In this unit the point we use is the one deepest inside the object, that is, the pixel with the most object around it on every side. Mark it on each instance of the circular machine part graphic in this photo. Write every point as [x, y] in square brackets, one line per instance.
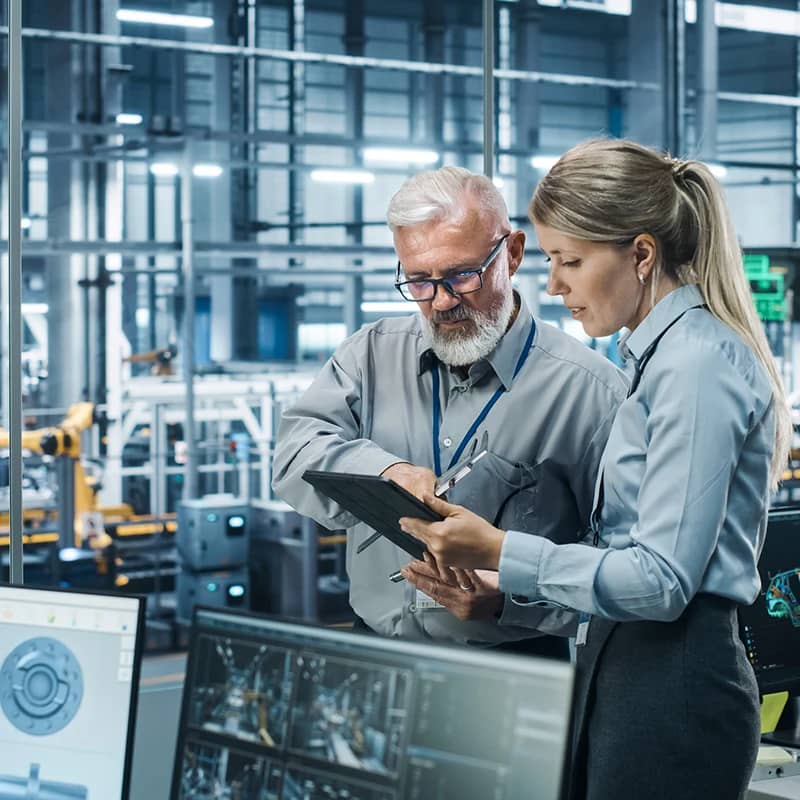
[41, 686]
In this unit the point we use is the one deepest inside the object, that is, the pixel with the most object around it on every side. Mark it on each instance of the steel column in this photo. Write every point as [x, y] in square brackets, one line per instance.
[15, 287]
[190, 486]
[488, 88]
[706, 138]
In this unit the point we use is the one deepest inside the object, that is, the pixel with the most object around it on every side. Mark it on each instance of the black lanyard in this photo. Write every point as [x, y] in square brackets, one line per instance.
[637, 377]
[437, 460]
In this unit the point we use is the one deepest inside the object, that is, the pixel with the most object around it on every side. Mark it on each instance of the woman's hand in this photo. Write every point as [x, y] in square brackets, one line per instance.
[462, 539]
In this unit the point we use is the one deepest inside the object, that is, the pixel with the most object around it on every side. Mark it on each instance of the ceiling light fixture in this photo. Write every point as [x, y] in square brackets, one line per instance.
[207, 170]
[164, 169]
[400, 155]
[360, 176]
[162, 18]
[129, 119]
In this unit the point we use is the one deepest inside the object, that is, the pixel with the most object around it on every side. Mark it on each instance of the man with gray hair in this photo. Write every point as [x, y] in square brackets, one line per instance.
[408, 397]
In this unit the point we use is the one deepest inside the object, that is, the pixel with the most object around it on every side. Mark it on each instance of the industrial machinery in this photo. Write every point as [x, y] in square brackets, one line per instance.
[55, 519]
[297, 567]
[213, 542]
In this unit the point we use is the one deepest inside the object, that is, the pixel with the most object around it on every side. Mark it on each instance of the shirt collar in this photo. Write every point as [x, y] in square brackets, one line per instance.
[634, 343]
[503, 359]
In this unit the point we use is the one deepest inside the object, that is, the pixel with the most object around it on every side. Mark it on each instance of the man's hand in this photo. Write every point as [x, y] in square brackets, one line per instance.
[417, 480]
[467, 594]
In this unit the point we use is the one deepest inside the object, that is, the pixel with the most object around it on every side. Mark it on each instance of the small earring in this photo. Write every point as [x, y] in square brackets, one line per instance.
[642, 278]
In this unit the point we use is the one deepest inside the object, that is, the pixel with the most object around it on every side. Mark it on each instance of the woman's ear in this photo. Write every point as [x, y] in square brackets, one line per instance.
[645, 252]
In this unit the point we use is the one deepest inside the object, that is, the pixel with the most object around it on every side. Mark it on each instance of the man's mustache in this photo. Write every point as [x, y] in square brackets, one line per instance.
[456, 314]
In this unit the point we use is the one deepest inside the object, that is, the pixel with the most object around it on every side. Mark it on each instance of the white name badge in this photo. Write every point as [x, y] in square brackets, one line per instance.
[423, 601]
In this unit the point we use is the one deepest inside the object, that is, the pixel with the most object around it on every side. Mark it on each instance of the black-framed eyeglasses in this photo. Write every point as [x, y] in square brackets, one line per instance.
[462, 282]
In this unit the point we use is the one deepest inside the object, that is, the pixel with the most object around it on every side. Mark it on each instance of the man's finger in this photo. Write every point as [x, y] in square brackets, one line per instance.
[421, 568]
[464, 580]
[421, 582]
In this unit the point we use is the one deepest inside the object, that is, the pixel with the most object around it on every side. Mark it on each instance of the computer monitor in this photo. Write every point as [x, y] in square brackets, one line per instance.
[69, 674]
[770, 628]
[274, 710]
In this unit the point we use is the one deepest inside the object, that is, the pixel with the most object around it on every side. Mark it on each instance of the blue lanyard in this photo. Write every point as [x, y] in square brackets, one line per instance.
[437, 459]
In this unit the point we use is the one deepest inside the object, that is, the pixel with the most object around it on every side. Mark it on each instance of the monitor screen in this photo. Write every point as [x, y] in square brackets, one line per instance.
[770, 628]
[69, 669]
[284, 711]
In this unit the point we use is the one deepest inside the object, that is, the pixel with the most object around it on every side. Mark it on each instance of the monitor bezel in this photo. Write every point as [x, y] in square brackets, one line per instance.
[138, 648]
[454, 652]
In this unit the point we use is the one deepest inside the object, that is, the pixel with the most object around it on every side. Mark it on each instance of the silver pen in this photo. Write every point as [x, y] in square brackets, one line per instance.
[456, 473]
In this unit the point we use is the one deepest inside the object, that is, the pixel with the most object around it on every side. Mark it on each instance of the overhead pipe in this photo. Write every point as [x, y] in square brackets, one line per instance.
[364, 62]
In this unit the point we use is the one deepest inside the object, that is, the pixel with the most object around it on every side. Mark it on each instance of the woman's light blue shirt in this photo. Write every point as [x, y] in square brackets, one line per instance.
[686, 481]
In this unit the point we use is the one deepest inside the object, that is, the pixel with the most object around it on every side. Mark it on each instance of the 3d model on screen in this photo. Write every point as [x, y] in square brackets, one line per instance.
[33, 788]
[783, 596]
[244, 691]
[212, 772]
[350, 713]
[41, 686]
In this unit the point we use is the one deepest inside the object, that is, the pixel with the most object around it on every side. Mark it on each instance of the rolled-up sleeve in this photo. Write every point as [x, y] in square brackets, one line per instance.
[322, 432]
[700, 410]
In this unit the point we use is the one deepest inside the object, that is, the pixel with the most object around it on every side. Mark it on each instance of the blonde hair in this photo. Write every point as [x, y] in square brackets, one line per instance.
[443, 194]
[609, 190]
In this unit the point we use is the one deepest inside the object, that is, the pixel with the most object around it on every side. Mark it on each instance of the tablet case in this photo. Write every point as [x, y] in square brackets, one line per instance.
[377, 501]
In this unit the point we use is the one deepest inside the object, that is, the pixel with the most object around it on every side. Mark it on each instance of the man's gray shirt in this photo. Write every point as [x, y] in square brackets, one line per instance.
[371, 406]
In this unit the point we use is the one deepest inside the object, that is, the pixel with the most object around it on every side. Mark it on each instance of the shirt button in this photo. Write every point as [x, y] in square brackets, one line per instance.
[447, 442]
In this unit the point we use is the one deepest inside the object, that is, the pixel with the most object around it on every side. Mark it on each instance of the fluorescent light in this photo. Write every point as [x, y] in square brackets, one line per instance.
[25, 223]
[387, 307]
[160, 18]
[142, 317]
[608, 6]
[207, 170]
[719, 171]
[544, 163]
[750, 18]
[342, 176]
[399, 155]
[129, 119]
[164, 169]
[34, 308]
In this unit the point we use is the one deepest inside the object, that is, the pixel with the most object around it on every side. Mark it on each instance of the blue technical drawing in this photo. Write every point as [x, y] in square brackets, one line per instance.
[32, 788]
[783, 596]
[41, 686]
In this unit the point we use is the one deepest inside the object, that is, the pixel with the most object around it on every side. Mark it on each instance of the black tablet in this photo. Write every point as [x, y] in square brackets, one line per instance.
[377, 501]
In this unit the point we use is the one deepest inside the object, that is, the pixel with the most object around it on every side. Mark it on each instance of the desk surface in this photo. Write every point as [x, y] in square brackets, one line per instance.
[775, 789]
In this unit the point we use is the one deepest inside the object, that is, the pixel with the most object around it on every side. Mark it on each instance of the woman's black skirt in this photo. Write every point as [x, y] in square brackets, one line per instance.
[665, 710]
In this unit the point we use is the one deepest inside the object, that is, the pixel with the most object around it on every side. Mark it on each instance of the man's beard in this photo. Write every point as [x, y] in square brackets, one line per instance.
[473, 341]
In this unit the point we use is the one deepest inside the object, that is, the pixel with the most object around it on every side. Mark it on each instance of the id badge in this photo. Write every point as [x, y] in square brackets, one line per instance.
[423, 601]
[583, 629]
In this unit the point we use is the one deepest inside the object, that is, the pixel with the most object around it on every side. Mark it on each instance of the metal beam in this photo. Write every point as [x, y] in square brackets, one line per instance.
[364, 62]
[14, 299]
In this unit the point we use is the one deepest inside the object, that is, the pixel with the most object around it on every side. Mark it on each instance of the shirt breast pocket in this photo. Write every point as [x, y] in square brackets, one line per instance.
[505, 493]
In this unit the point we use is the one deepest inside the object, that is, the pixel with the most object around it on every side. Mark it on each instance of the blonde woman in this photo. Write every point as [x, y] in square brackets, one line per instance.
[667, 705]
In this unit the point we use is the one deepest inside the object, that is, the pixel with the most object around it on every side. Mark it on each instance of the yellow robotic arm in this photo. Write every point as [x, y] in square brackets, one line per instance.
[63, 439]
